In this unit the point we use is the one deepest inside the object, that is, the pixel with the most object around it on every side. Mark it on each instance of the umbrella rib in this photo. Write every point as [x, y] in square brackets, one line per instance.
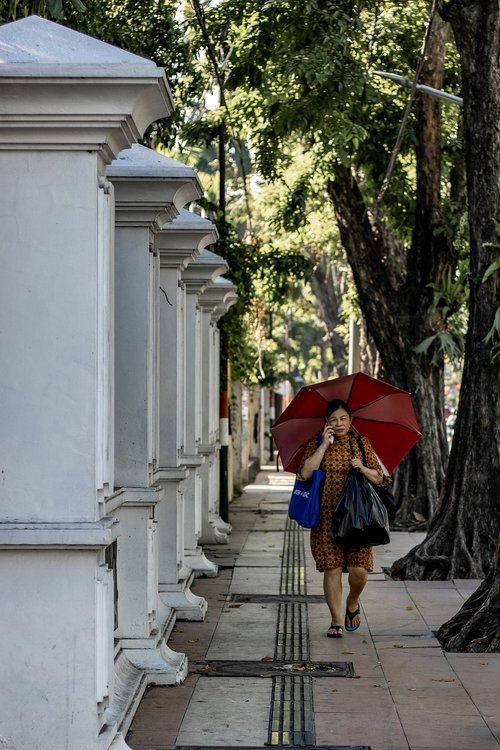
[350, 390]
[370, 403]
[388, 421]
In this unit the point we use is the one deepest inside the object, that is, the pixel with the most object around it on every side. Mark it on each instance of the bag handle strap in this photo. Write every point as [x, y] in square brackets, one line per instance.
[361, 447]
[318, 443]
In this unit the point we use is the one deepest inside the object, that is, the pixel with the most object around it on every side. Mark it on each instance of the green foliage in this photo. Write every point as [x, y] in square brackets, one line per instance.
[293, 214]
[443, 343]
[495, 265]
[10, 10]
[492, 338]
[492, 269]
[449, 307]
[264, 277]
[451, 294]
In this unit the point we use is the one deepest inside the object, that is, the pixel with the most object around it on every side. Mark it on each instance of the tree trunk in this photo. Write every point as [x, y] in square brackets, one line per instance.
[323, 284]
[394, 293]
[462, 538]
[476, 627]
[393, 324]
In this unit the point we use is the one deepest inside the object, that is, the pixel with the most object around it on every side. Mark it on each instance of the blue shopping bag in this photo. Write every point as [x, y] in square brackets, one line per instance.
[305, 500]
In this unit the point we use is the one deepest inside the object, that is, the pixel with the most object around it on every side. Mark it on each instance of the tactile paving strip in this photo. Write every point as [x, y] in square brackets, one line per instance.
[291, 718]
[292, 721]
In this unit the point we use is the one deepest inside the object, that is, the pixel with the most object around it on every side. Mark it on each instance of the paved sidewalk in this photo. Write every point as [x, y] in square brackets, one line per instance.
[267, 622]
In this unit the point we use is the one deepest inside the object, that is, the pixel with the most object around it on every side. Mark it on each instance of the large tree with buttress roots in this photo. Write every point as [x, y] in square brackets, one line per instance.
[462, 540]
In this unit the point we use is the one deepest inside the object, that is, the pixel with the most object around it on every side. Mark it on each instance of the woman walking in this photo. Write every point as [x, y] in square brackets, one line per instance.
[336, 454]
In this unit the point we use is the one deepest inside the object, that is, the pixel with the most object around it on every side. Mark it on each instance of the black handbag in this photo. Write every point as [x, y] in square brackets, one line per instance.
[385, 493]
[359, 519]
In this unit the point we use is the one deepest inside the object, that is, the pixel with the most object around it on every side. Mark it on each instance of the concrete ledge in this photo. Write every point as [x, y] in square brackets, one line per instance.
[84, 535]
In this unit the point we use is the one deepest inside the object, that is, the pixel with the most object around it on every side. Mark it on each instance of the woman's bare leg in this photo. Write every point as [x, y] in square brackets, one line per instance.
[357, 581]
[332, 586]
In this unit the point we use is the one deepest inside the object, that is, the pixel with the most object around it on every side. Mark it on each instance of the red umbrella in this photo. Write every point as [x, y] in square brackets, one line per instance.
[380, 411]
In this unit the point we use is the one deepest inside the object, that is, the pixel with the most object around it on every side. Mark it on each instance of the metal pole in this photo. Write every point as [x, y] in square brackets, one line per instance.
[224, 401]
[353, 365]
[420, 87]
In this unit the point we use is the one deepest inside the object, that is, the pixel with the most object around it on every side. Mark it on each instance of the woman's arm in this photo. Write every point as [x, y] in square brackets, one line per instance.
[314, 461]
[373, 475]
[373, 471]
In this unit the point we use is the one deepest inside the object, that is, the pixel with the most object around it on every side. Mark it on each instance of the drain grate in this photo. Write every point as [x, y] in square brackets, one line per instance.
[275, 668]
[277, 598]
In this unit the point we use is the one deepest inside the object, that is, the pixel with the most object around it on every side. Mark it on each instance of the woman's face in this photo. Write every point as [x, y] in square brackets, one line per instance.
[340, 421]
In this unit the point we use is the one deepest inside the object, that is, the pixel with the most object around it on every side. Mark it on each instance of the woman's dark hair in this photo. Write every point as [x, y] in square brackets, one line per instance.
[334, 405]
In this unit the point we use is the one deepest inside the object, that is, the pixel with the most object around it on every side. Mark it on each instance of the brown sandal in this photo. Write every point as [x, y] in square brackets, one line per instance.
[335, 631]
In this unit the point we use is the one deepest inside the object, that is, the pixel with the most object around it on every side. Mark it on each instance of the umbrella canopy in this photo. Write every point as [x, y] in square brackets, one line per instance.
[380, 411]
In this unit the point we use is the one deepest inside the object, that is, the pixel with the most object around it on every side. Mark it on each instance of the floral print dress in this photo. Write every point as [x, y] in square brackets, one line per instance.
[336, 464]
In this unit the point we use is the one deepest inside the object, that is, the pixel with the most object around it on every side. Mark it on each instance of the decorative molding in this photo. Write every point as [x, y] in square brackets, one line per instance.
[150, 188]
[63, 90]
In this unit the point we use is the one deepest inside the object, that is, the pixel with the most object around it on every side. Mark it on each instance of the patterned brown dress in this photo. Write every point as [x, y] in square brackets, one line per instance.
[337, 463]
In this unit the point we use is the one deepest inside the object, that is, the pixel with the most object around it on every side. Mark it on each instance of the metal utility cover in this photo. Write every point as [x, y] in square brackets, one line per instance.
[276, 668]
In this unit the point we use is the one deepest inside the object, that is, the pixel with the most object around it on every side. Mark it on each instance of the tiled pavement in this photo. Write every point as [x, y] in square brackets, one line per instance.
[406, 694]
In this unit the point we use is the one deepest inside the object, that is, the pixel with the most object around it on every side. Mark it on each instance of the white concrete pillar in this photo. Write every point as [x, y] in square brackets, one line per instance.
[179, 243]
[197, 277]
[149, 189]
[68, 105]
[211, 302]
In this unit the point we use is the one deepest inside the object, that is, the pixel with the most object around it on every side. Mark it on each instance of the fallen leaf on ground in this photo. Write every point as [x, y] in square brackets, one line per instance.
[267, 658]
[410, 609]
[377, 686]
[205, 669]
[347, 652]
[443, 679]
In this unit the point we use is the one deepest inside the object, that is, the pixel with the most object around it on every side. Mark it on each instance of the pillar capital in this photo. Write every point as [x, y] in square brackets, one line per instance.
[201, 273]
[63, 90]
[229, 300]
[215, 295]
[182, 240]
[150, 188]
